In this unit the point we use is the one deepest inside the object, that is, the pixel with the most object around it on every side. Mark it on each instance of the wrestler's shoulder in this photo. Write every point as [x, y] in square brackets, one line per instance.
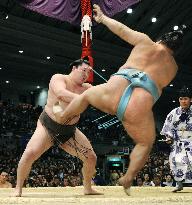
[59, 76]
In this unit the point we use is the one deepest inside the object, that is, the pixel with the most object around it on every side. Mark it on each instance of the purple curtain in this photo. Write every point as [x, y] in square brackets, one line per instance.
[69, 10]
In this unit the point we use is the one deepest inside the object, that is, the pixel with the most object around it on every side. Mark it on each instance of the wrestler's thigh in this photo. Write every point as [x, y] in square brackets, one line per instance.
[78, 146]
[142, 130]
[140, 104]
[40, 141]
[100, 96]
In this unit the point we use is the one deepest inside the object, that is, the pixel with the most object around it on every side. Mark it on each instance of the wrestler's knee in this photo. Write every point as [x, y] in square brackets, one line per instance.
[29, 155]
[91, 158]
[148, 143]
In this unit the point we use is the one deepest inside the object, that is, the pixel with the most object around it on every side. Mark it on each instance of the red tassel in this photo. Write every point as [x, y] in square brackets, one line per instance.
[86, 41]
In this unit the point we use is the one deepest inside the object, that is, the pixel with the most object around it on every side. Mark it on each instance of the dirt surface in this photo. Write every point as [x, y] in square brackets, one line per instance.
[113, 195]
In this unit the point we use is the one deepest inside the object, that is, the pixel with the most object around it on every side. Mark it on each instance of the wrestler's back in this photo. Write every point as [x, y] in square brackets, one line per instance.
[152, 58]
[155, 60]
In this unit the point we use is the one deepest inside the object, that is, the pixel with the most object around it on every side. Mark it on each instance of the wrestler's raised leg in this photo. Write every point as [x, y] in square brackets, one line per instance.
[37, 145]
[81, 147]
[98, 96]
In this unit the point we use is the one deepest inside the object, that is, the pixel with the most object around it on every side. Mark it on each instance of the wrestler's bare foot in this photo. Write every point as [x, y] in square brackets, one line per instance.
[123, 181]
[91, 192]
[17, 193]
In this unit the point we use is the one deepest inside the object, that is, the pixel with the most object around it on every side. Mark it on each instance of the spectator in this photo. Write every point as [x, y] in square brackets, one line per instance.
[178, 132]
[169, 181]
[4, 180]
[147, 181]
[139, 181]
[156, 180]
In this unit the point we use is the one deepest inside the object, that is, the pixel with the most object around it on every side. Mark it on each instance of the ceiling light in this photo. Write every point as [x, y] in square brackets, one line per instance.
[48, 57]
[171, 85]
[20, 51]
[173, 101]
[3, 14]
[38, 87]
[0, 68]
[129, 11]
[7, 81]
[176, 28]
[103, 70]
[153, 19]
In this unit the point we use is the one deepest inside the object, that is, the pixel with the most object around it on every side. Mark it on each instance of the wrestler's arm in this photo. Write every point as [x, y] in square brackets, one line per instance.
[78, 105]
[58, 86]
[124, 32]
[95, 96]
[75, 107]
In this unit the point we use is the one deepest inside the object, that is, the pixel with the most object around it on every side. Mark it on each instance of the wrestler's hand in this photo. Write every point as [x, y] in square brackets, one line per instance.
[58, 112]
[61, 119]
[98, 14]
[58, 117]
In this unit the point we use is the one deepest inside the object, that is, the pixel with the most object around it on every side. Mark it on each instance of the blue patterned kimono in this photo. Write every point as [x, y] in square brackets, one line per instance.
[178, 126]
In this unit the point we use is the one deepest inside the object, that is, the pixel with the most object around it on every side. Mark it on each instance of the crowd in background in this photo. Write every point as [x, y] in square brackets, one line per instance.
[56, 167]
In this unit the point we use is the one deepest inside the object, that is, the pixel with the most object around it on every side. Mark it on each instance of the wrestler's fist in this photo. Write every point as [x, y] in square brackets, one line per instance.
[98, 14]
[57, 110]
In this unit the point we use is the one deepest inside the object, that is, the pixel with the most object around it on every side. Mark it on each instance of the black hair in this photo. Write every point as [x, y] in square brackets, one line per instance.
[174, 39]
[185, 92]
[78, 62]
